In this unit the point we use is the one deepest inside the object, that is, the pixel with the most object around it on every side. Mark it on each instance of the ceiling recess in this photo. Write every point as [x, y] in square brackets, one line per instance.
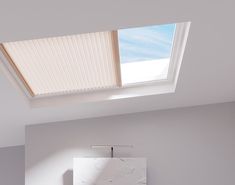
[90, 62]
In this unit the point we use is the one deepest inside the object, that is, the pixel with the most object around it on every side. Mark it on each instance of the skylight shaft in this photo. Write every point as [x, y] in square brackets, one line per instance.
[100, 62]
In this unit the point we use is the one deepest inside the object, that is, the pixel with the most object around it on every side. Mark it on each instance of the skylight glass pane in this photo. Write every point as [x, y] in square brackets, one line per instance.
[145, 52]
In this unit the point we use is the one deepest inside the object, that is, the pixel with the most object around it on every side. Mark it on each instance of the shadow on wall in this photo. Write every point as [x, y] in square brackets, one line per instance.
[68, 177]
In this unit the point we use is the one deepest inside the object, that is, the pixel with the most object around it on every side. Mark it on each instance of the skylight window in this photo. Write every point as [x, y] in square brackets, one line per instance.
[110, 60]
[145, 52]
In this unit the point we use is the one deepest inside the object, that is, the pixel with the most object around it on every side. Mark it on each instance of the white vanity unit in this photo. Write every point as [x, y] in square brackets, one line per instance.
[109, 171]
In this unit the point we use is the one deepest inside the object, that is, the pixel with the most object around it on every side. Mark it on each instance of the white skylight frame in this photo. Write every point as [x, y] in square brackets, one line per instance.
[139, 89]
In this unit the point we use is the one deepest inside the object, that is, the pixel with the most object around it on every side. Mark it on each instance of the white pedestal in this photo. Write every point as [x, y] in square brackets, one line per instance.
[109, 171]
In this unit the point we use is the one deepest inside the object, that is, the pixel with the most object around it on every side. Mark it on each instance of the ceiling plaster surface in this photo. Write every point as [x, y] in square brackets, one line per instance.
[207, 71]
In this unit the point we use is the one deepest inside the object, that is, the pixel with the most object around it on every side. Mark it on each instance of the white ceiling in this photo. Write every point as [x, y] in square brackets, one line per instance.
[207, 72]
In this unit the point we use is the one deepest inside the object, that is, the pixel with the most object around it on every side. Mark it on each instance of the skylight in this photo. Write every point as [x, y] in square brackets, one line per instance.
[145, 53]
[110, 60]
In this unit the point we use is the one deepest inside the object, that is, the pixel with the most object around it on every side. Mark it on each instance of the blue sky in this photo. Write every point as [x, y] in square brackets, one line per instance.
[145, 43]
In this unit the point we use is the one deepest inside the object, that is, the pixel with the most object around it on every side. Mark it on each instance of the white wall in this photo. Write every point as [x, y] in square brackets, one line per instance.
[12, 165]
[189, 146]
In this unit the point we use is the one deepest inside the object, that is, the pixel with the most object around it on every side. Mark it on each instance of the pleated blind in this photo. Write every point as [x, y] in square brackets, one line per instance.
[83, 62]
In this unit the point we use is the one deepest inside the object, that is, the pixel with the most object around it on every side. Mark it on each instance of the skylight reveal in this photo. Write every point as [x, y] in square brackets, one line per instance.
[93, 61]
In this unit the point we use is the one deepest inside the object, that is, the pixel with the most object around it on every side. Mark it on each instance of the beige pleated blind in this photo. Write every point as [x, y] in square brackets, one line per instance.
[66, 64]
